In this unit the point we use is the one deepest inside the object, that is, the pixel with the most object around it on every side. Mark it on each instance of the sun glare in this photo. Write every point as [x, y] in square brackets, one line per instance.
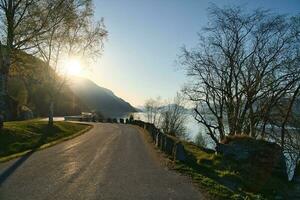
[73, 67]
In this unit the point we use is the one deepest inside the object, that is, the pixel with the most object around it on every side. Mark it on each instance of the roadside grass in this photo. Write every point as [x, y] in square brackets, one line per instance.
[20, 136]
[226, 179]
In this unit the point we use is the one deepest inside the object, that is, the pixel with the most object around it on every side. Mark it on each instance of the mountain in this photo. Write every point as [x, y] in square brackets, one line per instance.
[29, 87]
[140, 108]
[173, 106]
[99, 99]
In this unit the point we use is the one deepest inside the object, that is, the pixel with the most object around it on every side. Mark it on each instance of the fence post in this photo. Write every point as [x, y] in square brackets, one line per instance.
[180, 152]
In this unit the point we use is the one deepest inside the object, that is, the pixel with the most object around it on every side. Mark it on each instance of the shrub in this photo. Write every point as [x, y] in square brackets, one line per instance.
[241, 137]
[200, 140]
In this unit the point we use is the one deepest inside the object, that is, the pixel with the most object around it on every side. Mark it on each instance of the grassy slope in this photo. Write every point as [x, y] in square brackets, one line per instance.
[224, 179]
[29, 135]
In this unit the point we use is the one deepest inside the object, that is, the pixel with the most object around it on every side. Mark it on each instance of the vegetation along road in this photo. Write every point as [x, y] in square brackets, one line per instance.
[110, 161]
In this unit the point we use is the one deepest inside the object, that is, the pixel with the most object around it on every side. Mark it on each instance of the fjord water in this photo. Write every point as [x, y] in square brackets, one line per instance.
[193, 128]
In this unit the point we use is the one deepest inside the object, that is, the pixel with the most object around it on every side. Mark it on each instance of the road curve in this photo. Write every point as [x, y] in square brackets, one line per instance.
[111, 161]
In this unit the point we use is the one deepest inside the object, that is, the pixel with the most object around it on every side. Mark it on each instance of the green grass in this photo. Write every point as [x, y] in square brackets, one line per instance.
[225, 179]
[21, 136]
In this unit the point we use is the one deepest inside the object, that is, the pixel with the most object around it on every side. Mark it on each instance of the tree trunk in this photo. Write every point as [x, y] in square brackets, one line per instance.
[4, 68]
[5, 61]
[51, 111]
[252, 123]
[3, 91]
[2, 99]
[287, 115]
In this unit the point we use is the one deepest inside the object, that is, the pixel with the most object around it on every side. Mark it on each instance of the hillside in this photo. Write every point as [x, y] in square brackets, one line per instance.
[99, 99]
[30, 87]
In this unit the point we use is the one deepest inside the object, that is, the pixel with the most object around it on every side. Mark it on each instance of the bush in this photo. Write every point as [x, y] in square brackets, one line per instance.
[242, 137]
[200, 141]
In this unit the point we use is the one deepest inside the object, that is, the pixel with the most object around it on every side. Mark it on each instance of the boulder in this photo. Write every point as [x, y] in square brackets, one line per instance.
[162, 142]
[158, 139]
[154, 135]
[169, 145]
[180, 153]
[259, 160]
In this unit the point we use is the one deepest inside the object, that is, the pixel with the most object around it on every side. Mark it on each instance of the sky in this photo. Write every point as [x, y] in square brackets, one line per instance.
[144, 41]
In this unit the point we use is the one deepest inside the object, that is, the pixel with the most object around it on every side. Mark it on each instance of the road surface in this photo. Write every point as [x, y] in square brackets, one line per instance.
[111, 161]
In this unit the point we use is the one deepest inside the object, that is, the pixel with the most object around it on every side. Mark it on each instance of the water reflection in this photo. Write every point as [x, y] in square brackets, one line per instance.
[193, 128]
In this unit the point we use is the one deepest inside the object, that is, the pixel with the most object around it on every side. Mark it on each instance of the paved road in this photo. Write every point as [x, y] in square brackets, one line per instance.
[110, 161]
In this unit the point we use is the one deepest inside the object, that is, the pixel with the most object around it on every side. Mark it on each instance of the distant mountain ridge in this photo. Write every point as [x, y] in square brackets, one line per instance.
[30, 89]
[99, 99]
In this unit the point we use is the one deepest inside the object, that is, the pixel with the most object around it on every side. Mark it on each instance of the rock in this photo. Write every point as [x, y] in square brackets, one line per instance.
[158, 139]
[180, 152]
[162, 142]
[154, 135]
[150, 127]
[169, 145]
[259, 160]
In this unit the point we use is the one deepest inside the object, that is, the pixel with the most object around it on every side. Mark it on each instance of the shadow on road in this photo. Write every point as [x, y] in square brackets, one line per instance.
[12, 168]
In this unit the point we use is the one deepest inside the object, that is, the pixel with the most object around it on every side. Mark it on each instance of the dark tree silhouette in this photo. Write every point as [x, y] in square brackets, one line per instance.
[245, 66]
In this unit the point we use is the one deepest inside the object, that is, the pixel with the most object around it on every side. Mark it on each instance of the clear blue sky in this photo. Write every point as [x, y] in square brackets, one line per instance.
[145, 37]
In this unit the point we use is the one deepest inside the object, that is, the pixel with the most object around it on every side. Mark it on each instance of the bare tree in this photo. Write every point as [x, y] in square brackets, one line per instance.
[72, 33]
[20, 22]
[243, 67]
[292, 149]
[200, 140]
[152, 108]
[174, 116]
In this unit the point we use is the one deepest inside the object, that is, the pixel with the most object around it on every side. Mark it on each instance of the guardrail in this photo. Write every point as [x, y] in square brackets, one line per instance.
[172, 146]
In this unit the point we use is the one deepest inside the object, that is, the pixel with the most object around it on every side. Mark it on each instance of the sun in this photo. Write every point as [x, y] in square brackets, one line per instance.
[73, 67]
